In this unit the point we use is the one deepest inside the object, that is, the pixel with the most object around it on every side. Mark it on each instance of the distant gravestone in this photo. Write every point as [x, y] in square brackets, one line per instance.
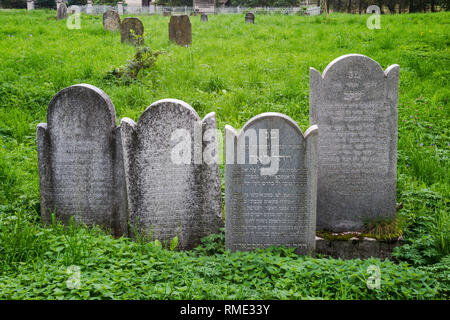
[173, 187]
[30, 5]
[270, 185]
[80, 164]
[132, 31]
[180, 30]
[120, 7]
[354, 103]
[204, 18]
[62, 11]
[249, 17]
[111, 20]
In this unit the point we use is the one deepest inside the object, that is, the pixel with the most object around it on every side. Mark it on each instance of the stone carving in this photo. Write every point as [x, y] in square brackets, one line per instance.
[173, 188]
[111, 20]
[249, 17]
[180, 30]
[354, 103]
[270, 184]
[80, 164]
[132, 31]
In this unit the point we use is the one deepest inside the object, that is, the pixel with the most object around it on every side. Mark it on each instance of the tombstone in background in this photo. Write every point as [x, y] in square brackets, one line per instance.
[30, 5]
[270, 185]
[120, 7]
[180, 30]
[204, 18]
[132, 31]
[249, 17]
[58, 3]
[354, 103]
[111, 20]
[62, 11]
[173, 187]
[89, 7]
[80, 160]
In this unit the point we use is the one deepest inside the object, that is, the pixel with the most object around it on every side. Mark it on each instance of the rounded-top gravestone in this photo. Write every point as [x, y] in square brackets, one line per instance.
[62, 11]
[180, 30]
[204, 18]
[111, 20]
[249, 17]
[131, 31]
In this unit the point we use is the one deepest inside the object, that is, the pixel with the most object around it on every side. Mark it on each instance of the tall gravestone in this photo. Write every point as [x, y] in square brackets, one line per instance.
[132, 31]
[111, 20]
[80, 162]
[249, 17]
[180, 30]
[270, 185]
[354, 103]
[62, 11]
[173, 187]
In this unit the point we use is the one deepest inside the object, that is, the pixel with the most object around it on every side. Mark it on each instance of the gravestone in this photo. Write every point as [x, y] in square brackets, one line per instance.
[62, 11]
[120, 7]
[354, 103]
[204, 18]
[80, 162]
[249, 17]
[129, 36]
[111, 20]
[30, 5]
[167, 196]
[270, 185]
[180, 30]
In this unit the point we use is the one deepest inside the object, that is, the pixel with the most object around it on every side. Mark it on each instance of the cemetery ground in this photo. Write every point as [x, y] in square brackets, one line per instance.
[236, 70]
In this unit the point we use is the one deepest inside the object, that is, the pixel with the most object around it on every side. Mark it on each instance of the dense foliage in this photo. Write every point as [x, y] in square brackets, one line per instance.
[238, 71]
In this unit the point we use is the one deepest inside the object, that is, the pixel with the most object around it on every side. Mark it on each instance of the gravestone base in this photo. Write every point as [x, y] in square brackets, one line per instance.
[357, 248]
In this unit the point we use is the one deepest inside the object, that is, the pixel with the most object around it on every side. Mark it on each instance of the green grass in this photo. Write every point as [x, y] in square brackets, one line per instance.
[238, 71]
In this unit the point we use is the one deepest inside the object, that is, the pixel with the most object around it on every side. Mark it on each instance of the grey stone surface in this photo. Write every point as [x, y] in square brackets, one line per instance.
[204, 18]
[357, 249]
[111, 21]
[62, 11]
[132, 31]
[354, 103]
[180, 30]
[270, 188]
[249, 17]
[167, 198]
[80, 164]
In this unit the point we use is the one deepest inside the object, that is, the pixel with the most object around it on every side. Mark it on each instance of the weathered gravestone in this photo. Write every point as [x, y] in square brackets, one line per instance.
[172, 173]
[80, 161]
[132, 31]
[249, 17]
[204, 18]
[354, 103]
[270, 185]
[180, 30]
[111, 20]
[62, 11]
